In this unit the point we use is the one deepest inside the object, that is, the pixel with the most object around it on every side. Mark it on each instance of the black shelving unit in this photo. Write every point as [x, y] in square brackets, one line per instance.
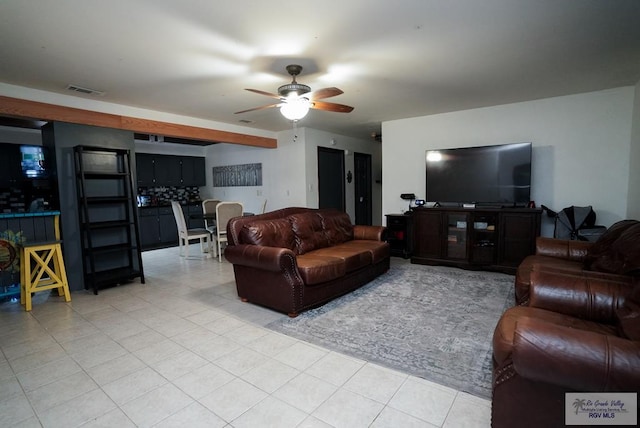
[111, 252]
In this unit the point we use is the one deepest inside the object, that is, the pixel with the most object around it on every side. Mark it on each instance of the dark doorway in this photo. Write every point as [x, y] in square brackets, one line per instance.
[331, 178]
[362, 167]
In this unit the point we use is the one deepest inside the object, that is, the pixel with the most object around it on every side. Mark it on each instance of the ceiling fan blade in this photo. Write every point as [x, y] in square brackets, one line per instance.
[323, 93]
[269, 94]
[259, 108]
[338, 108]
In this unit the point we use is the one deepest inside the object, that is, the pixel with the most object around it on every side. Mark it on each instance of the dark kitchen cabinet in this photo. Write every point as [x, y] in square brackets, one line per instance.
[168, 227]
[158, 227]
[145, 172]
[149, 228]
[168, 170]
[11, 170]
[193, 171]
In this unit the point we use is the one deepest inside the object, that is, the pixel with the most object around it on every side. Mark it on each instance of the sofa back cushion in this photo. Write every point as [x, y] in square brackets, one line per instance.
[308, 230]
[301, 232]
[619, 251]
[337, 226]
[269, 233]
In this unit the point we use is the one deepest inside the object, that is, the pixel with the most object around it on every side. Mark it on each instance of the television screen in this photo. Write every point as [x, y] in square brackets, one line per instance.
[489, 175]
[33, 160]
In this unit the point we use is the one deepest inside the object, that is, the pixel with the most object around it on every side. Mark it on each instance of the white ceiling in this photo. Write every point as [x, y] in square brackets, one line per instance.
[392, 59]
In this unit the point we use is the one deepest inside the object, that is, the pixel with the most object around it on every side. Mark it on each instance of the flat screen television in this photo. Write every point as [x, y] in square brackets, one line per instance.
[497, 175]
[34, 161]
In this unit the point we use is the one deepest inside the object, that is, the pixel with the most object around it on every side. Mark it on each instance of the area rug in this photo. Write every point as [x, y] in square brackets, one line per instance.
[433, 322]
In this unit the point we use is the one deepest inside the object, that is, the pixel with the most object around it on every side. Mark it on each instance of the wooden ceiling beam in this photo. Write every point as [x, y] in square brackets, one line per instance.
[15, 107]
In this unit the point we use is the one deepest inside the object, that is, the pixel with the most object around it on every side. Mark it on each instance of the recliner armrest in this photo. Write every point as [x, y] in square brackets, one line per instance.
[575, 359]
[577, 295]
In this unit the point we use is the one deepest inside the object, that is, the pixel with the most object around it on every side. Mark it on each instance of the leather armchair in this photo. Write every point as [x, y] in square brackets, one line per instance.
[578, 334]
[615, 256]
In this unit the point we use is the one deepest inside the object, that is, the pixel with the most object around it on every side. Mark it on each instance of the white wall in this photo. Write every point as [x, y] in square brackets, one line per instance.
[581, 149]
[633, 197]
[314, 138]
[290, 172]
[10, 134]
[282, 175]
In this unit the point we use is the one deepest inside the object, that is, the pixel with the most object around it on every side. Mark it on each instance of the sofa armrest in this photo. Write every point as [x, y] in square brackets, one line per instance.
[576, 359]
[580, 296]
[261, 257]
[562, 248]
[371, 233]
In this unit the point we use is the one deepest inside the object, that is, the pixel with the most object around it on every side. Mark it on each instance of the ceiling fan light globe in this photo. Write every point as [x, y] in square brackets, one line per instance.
[295, 109]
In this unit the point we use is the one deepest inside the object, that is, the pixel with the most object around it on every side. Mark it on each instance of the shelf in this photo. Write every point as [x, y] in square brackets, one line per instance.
[110, 248]
[110, 235]
[104, 175]
[107, 224]
[113, 276]
[106, 199]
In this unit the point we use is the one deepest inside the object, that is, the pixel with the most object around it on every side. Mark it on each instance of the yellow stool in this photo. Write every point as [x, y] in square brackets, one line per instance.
[42, 268]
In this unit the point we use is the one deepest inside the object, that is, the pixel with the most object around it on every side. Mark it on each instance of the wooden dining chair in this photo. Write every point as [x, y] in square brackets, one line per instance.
[209, 207]
[225, 211]
[185, 235]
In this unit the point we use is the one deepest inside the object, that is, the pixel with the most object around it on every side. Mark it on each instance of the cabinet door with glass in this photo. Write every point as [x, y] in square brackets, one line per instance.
[457, 231]
[484, 238]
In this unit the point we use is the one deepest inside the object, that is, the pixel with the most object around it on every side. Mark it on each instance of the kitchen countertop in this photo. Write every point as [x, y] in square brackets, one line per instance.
[29, 214]
[163, 205]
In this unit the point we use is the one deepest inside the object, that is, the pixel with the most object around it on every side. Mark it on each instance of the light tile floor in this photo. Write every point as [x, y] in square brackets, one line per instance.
[183, 351]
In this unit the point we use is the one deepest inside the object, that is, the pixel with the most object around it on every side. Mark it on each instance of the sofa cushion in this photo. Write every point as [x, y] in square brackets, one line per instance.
[354, 258]
[308, 231]
[603, 244]
[337, 226]
[316, 269]
[379, 250]
[623, 254]
[269, 233]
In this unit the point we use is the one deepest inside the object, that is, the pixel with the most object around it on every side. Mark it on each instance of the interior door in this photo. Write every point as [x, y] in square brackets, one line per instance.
[331, 178]
[362, 172]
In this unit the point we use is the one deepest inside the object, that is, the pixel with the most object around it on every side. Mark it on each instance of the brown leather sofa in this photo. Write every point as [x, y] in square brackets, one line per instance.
[615, 256]
[577, 334]
[294, 259]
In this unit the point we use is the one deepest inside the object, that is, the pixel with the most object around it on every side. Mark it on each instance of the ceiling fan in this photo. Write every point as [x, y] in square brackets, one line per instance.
[295, 99]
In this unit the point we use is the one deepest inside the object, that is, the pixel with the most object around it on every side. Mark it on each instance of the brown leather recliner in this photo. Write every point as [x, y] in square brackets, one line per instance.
[615, 256]
[578, 334]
